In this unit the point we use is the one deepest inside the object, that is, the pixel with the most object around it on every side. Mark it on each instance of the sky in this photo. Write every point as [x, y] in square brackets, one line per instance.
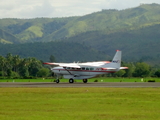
[62, 8]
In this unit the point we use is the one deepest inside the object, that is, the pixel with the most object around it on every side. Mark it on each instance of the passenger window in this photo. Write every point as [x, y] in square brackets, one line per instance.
[91, 68]
[83, 68]
[87, 68]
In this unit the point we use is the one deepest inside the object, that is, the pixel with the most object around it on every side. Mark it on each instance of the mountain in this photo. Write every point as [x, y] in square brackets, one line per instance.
[62, 51]
[137, 44]
[106, 21]
[7, 38]
[135, 31]
[110, 21]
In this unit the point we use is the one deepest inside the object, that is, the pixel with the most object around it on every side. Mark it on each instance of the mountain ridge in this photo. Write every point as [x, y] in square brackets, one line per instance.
[135, 31]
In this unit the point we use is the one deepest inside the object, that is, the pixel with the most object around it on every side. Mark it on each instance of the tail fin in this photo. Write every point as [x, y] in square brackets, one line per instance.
[116, 62]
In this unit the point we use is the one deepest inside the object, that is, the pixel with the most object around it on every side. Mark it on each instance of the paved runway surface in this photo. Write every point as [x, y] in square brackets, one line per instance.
[98, 84]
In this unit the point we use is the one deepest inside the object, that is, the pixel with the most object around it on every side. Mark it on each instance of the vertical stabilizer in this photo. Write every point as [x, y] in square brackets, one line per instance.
[117, 59]
[116, 62]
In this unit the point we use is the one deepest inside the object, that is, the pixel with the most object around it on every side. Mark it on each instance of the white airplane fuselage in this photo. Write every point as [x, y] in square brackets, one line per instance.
[87, 70]
[81, 73]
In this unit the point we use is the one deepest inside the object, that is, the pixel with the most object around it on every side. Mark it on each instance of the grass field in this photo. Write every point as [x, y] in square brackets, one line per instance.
[99, 79]
[79, 103]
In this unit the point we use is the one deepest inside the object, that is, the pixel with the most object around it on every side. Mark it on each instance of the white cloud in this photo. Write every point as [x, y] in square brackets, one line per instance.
[45, 9]
[61, 8]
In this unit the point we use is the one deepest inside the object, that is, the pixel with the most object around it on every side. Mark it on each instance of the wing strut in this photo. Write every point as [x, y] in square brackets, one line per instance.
[68, 71]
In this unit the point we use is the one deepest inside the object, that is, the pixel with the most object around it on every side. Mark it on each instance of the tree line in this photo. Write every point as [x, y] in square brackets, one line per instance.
[13, 66]
[138, 69]
[16, 67]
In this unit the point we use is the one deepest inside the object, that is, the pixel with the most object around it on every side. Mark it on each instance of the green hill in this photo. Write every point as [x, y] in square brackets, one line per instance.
[135, 44]
[106, 21]
[33, 30]
[135, 31]
[62, 51]
[110, 21]
[7, 38]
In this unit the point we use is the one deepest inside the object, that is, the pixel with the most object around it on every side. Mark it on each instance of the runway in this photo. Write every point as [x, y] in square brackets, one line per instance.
[93, 84]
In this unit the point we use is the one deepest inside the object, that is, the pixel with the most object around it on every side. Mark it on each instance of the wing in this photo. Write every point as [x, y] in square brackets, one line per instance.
[109, 68]
[116, 68]
[47, 63]
[93, 64]
[73, 65]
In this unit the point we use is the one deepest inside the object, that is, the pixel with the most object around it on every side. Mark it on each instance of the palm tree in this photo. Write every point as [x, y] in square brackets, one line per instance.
[2, 65]
[16, 62]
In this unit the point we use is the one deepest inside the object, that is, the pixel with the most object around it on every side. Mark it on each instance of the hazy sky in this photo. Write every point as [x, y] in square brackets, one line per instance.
[62, 8]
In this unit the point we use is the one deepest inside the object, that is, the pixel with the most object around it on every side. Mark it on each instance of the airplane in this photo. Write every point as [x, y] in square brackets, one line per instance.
[83, 71]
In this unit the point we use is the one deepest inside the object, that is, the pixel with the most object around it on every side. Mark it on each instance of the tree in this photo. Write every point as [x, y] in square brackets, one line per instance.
[2, 65]
[142, 70]
[120, 73]
[34, 66]
[130, 70]
[52, 58]
[16, 61]
[44, 72]
[22, 67]
[24, 72]
[157, 73]
[9, 73]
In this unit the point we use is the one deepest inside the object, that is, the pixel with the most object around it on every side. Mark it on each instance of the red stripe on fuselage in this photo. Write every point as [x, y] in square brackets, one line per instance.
[86, 70]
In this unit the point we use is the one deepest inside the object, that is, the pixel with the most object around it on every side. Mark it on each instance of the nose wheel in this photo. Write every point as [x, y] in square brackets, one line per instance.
[71, 80]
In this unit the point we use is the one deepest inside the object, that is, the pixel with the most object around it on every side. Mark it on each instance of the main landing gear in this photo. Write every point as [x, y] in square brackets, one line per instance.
[57, 81]
[71, 80]
[85, 80]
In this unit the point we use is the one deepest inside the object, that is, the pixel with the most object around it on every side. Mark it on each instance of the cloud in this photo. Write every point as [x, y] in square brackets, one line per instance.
[124, 4]
[26, 9]
[61, 8]
[45, 9]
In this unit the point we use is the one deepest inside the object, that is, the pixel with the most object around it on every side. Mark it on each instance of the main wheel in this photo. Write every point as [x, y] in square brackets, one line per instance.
[85, 80]
[71, 80]
[57, 81]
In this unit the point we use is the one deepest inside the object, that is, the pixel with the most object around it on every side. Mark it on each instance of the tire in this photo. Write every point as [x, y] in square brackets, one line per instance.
[85, 80]
[57, 81]
[71, 80]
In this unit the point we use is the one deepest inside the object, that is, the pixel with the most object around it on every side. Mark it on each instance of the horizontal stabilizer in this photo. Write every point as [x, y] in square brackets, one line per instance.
[123, 68]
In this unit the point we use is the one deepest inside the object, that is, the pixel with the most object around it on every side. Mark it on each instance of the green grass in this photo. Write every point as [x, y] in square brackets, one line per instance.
[100, 79]
[79, 103]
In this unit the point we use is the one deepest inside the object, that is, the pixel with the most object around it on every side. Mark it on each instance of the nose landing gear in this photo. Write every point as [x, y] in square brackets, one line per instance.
[71, 80]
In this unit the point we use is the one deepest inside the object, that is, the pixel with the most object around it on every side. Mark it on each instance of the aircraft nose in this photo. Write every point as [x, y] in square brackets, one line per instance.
[52, 69]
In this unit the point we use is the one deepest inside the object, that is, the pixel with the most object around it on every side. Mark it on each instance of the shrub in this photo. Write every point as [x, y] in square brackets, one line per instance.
[151, 81]
[96, 81]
